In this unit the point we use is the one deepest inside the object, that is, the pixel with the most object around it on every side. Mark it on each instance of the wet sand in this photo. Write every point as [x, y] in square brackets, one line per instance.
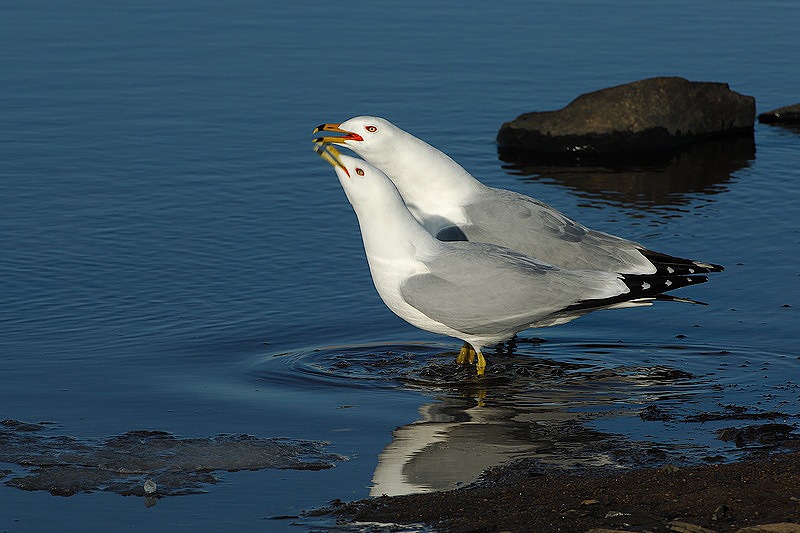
[522, 496]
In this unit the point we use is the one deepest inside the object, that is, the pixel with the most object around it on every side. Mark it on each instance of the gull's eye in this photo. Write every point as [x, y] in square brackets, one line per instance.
[359, 172]
[371, 129]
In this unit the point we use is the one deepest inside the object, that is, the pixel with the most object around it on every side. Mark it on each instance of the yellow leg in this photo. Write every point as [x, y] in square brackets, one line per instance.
[481, 366]
[469, 354]
[461, 358]
[480, 396]
[466, 354]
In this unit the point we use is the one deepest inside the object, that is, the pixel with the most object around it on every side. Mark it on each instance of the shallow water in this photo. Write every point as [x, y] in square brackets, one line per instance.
[176, 259]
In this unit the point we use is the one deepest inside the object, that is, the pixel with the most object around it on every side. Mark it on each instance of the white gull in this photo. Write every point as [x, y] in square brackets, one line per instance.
[480, 293]
[453, 205]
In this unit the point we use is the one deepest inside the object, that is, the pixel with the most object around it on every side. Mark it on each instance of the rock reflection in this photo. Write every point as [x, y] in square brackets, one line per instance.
[660, 183]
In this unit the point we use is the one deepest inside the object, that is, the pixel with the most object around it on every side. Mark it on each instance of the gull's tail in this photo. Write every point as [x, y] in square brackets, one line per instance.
[642, 288]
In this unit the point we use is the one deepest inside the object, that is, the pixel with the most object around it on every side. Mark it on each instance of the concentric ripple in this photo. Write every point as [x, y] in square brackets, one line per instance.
[568, 403]
[533, 371]
[367, 366]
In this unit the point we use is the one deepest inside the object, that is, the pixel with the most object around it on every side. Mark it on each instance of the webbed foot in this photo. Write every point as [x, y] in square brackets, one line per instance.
[468, 354]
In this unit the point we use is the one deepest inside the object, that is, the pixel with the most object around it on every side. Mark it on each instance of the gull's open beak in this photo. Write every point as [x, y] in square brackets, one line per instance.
[330, 154]
[348, 135]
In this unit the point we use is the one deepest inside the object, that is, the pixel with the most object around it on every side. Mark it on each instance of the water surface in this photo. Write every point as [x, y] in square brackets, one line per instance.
[176, 259]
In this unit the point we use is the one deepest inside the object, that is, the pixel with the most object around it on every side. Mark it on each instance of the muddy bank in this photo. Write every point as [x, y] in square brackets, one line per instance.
[524, 497]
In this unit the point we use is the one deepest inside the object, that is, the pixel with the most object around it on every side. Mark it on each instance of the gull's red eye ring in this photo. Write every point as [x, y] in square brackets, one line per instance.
[371, 129]
[359, 172]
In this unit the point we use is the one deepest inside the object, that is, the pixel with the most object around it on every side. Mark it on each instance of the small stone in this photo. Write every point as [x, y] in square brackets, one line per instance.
[587, 503]
[686, 527]
[780, 527]
[616, 514]
[150, 486]
[653, 413]
[720, 513]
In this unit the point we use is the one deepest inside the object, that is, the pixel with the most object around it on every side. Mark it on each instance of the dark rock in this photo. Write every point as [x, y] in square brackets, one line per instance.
[653, 412]
[720, 513]
[677, 526]
[644, 116]
[758, 434]
[789, 115]
[734, 412]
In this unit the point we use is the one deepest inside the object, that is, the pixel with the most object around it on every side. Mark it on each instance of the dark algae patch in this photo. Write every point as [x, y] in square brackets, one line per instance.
[143, 462]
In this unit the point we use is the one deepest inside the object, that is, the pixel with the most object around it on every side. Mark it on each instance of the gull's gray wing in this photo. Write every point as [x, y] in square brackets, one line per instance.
[519, 222]
[487, 290]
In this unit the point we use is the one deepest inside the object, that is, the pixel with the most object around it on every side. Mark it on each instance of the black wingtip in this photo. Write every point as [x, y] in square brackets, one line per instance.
[668, 265]
[643, 286]
[650, 286]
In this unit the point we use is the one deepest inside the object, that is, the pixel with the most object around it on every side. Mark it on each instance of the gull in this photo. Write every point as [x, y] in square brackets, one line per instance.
[481, 293]
[453, 205]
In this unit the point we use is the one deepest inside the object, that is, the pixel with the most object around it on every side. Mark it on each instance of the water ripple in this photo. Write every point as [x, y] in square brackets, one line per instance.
[570, 374]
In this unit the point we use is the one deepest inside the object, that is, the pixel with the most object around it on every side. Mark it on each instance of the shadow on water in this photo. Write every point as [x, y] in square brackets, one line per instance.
[660, 183]
[611, 405]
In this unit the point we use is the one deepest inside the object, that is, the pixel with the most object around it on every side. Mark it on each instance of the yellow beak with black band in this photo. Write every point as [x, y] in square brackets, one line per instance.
[329, 154]
[348, 135]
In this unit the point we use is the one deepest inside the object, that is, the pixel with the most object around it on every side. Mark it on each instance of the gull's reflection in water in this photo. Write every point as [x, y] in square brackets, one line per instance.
[545, 417]
[661, 183]
[449, 445]
[455, 440]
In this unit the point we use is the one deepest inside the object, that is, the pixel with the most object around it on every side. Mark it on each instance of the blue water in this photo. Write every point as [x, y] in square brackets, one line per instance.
[173, 256]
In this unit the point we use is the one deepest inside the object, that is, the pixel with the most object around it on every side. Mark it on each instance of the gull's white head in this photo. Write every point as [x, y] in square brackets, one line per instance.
[362, 183]
[366, 136]
[433, 186]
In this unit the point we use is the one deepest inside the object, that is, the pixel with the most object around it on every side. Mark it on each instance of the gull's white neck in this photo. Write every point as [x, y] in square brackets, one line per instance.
[397, 246]
[431, 183]
[392, 236]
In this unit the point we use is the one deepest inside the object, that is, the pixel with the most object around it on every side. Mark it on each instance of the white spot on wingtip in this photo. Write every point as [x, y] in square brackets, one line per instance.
[668, 283]
[691, 271]
[670, 270]
[645, 286]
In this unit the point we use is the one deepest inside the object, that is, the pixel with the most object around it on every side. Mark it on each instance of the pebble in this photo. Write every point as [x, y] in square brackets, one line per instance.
[686, 527]
[782, 527]
[150, 486]
[720, 513]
